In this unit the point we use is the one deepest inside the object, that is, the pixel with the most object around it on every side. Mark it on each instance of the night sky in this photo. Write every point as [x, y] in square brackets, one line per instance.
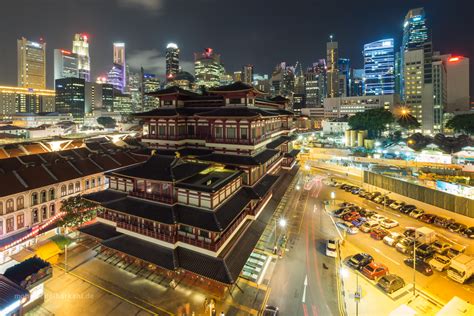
[257, 32]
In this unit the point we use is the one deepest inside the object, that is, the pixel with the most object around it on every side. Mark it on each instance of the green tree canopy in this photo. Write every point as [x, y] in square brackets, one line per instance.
[77, 211]
[462, 123]
[106, 121]
[375, 121]
[408, 121]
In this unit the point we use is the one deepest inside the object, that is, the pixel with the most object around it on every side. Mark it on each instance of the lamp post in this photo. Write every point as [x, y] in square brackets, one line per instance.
[282, 224]
[333, 197]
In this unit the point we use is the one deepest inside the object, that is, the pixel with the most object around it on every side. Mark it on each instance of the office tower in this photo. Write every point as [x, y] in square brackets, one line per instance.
[119, 59]
[261, 82]
[457, 78]
[208, 68]
[31, 64]
[80, 46]
[416, 36]
[150, 83]
[439, 92]
[172, 61]
[332, 72]
[134, 89]
[70, 98]
[299, 80]
[357, 83]
[379, 64]
[315, 84]
[184, 80]
[25, 100]
[122, 102]
[344, 77]
[247, 74]
[65, 64]
[226, 79]
[99, 96]
[238, 76]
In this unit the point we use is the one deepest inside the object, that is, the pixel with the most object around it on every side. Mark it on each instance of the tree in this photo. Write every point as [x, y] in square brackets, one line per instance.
[375, 121]
[451, 144]
[462, 123]
[77, 211]
[106, 121]
[408, 122]
[418, 141]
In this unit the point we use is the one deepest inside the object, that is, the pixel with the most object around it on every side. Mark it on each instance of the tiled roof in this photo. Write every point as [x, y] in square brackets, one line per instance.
[265, 184]
[105, 196]
[260, 158]
[100, 231]
[144, 209]
[277, 142]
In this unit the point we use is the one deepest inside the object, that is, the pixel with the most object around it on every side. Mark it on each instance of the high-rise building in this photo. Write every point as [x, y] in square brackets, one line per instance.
[439, 92]
[65, 64]
[119, 59]
[70, 97]
[25, 100]
[172, 61]
[115, 77]
[237, 76]
[332, 71]
[299, 80]
[150, 84]
[261, 82]
[31, 64]
[80, 46]
[122, 102]
[457, 78]
[344, 68]
[379, 64]
[208, 68]
[416, 36]
[247, 72]
[99, 96]
[358, 83]
[315, 84]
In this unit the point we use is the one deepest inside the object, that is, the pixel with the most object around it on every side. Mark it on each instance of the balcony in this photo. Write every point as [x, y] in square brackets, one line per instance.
[146, 232]
[153, 197]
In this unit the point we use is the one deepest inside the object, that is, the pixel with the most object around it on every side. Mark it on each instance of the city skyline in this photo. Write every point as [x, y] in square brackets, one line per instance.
[150, 53]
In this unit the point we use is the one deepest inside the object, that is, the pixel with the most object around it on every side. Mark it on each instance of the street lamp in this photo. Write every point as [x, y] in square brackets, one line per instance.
[333, 196]
[282, 224]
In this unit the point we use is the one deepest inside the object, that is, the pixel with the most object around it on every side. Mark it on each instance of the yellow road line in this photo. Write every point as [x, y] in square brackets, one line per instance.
[253, 284]
[304, 212]
[119, 296]
[265, 299]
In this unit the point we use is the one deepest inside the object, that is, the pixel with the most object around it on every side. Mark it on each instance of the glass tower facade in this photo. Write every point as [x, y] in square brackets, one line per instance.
[172, 61]
[379, 65]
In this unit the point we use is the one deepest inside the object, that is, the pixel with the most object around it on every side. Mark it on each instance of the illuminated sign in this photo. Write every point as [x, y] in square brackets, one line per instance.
[34, 44]
[172, 45]
[454, 59]
[65, 52]
[119, 44]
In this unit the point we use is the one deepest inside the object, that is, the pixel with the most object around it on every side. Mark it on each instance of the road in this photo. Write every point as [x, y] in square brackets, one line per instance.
[438, 284]
[304, 280]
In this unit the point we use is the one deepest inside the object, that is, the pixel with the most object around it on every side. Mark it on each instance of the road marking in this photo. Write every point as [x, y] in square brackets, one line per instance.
[380, 252]
[305, 310]
[315, 312]
[304, 289]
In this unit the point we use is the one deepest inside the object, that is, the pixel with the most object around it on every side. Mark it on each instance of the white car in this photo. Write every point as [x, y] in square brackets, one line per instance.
[439, 262]
[377, 217]
[348, 227]
[331, 248]
[392, 239]
[389, 223]
[368, 226]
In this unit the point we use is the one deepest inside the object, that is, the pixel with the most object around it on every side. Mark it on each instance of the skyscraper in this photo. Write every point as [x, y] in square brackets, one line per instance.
[65, 64]
[439, 91]
[80, 46]
[172, 61]
[379, 64]
[70, 97]
[119, 59]
[344, 77]
[208, 68]
[332, 71]
[31, 64]
[358, 83]
[315, 87]
[417, 69]
[237, 76]
[457, 77]
[247, 74]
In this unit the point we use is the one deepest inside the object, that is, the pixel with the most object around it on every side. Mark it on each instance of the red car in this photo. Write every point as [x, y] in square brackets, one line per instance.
[374, 270]
[379, 233]
[351, 216]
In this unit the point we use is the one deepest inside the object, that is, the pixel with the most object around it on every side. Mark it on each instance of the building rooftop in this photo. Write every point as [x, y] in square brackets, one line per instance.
[209, 180]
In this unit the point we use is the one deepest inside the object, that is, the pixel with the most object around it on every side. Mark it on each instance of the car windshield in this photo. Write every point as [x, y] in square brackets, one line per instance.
[384, 281]
[370, 268]
[442, 260]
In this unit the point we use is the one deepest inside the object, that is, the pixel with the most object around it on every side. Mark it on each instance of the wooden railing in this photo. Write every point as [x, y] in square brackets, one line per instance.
[152, 196]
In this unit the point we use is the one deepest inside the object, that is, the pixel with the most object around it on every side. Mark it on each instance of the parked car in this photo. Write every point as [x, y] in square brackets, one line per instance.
[406, 245]
[407, 208]
[349, 188]
[374, 270]
[387, 202]
[424, 251]
[368, 226]
[392, 239]
[348, 227]
[360, 260]
[441, 247]
[420, 266]
[389, 223]
[331, 248]
[439, 262]
[442, 221]
[355, 190]
[390, 283]
[396, 205]
[469, 233]
[373, 195]
[455, 250]
[343, 212]
[363, 193]
[270, 311]
[378, 199]
[344, 186]
[456, 227]
[366, 213]
[358, 222]
[351, 216]
[427, 218]
[377, 217]
[409, 232]
[379, 233]
[346, 204]
[416, 213]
